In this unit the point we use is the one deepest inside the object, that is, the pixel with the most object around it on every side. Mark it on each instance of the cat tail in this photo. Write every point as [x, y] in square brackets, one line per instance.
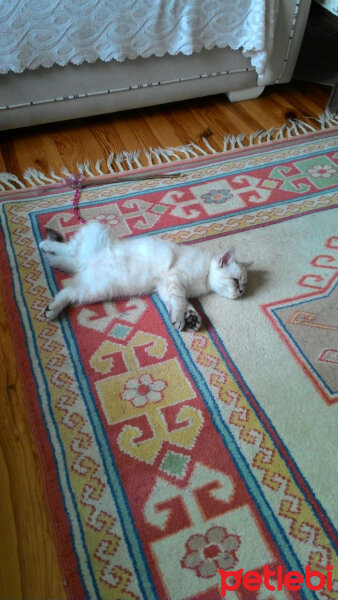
[63, 263]
[54, 235]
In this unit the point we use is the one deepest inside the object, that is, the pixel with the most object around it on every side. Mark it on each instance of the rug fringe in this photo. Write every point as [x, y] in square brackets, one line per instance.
[127, 161]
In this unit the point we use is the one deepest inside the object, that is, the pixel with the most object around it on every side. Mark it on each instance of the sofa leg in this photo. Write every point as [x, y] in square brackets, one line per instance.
[245, 94]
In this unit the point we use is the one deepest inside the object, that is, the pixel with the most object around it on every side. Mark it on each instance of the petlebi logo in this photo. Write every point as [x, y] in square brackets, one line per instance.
[275, 579]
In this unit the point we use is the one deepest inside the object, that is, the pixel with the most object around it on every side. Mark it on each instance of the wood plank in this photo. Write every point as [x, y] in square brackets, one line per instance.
[29, 565]
[66, 144]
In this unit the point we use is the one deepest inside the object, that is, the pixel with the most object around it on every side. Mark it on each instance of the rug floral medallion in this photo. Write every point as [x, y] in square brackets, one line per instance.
[168, 456]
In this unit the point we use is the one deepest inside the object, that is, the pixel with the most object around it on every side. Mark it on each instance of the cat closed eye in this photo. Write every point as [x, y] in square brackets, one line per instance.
[236, 282]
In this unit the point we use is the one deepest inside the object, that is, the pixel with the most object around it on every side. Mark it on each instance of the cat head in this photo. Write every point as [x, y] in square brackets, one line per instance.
[227, 276]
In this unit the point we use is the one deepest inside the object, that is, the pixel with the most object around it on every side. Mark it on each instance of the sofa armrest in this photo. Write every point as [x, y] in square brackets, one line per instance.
[290, 27]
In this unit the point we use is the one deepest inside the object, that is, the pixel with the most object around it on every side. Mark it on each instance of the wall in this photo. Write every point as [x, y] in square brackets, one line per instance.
[331, 5]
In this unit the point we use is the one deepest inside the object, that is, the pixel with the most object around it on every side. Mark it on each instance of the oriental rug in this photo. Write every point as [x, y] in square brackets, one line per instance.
[168, 456]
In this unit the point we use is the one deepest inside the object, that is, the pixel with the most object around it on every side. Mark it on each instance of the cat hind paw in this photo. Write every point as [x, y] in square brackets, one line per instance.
[50, 314]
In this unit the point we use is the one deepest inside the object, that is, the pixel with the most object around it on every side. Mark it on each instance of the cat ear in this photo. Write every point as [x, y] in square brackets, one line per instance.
[248, 264]
[226, 258]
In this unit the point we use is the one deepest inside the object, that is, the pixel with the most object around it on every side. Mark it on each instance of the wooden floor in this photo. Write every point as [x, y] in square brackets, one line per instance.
[65, 145]
[29, 567]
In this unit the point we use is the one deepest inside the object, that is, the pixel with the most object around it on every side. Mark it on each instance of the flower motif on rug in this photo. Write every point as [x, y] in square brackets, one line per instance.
[142, 390]
[205, 554]
[325, 171]
[107, 219]
[217, 196]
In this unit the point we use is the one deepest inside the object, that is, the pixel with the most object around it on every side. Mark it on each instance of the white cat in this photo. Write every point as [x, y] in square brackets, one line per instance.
[105, 268]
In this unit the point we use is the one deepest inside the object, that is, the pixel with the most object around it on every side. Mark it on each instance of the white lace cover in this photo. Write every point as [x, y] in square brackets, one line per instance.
[36, 33]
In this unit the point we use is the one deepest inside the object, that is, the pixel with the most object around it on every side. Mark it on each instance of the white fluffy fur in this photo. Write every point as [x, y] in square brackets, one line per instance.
[105, 268]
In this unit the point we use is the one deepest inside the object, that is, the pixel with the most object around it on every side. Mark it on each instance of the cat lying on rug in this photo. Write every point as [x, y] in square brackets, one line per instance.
[105, 268]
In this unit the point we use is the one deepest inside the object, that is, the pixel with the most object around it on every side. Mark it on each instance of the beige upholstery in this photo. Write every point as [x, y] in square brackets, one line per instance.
[69, 92]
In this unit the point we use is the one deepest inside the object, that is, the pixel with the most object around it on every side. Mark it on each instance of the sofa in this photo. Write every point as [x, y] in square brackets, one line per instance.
[40, 87]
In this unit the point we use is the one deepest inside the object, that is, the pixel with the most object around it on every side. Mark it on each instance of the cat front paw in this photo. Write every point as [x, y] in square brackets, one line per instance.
[179, 323]
[177, 319]
[192, 319]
